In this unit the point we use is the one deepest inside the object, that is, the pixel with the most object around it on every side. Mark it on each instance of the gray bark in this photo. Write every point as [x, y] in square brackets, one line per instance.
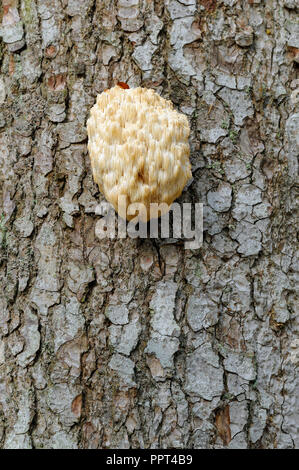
[131, 343]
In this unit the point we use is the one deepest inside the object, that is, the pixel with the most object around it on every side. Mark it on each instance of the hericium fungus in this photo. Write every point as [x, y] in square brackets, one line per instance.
[138, 147]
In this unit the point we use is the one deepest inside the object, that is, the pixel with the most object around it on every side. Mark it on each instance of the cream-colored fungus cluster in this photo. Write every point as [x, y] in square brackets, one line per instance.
[138, 147]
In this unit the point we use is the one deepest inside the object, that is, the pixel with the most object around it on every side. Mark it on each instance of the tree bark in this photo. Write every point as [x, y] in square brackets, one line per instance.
[138, 343]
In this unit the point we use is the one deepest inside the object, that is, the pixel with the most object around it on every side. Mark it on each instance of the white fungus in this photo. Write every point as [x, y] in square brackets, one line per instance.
[138, 147]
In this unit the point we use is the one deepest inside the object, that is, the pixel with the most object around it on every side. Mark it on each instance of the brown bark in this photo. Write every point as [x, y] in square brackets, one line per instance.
[138, 343]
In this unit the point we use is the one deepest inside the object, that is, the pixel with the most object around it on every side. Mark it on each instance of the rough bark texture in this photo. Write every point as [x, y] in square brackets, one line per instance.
[136, 343]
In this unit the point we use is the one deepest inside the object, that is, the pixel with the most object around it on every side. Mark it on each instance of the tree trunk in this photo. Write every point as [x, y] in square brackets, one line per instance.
[141, 343]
